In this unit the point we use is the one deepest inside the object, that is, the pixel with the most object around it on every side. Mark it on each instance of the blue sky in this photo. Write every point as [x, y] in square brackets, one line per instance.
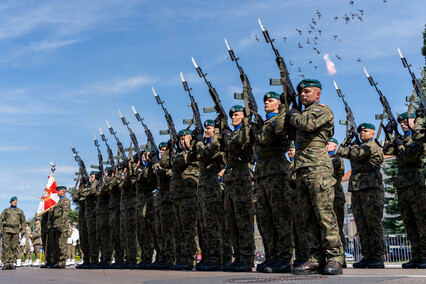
[68, 66]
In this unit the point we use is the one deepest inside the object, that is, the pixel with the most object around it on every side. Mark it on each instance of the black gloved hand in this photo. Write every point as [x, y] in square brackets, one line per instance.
[420, 112]
[59, 230]
[218, 122]
[22, 234]
[197, 135]
[397, 142]
[292, 111]
[169, 144]
[226, 133]
[388, 128]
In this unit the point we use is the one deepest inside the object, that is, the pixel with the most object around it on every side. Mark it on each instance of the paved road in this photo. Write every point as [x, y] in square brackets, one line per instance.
[71, 275]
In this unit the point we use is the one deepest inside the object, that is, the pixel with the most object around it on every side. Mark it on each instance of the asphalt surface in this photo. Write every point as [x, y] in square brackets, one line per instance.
[392, 274]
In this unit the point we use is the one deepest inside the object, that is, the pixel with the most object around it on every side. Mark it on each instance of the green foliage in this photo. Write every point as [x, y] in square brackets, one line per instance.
[424, 44]
[73, 216]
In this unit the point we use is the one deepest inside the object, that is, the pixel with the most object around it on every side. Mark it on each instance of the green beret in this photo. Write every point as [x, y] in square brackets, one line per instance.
[271, 94]
[308, 83]
[13, 198]
[334, 140]
[292, 145]
[94, 172]
[61, 187]
[182, 132]
[366, 126]
[108, 168]
[403, 116]
[162, 144]
[209, 122]
[235, 108]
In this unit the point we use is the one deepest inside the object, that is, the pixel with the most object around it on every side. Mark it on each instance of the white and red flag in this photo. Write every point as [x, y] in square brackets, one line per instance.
[50, 196]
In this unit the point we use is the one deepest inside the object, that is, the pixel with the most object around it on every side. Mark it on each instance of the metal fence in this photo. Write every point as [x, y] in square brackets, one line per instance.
[398, 248]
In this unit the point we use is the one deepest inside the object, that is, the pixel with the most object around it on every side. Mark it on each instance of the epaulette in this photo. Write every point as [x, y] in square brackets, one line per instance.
[323, 105]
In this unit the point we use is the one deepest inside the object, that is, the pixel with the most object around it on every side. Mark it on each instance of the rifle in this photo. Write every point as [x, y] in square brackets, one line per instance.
[218, 104]
[195, 110]
[119, 145]
[109, 151]
[147, 131]
[351, 128]
[81, 164]
[392, 124]
[285, 81]
[247, 95]
[132, 135]
[416, 84]
[101, 164]
[170, 123]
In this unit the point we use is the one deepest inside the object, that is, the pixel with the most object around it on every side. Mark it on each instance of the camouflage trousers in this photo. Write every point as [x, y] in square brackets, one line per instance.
[145, 227]
[367, 208]
[317, 219]
[201, 231]
[104, 237]
[115, 233]
[301, 237]
[59, 246]
[168, 219]
[82, 230]
[238, 199]
[10, 246]
[37, 251]
[275, 216]
[71, 251]
[128, 230]
[412, 205]
[158, 238]
[27, 252]
[339, 210]
[211, 208]
[90, 215]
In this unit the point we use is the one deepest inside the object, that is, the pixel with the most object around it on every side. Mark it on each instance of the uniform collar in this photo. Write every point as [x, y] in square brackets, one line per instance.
[208, 140]
[407, 133]
[312, 104]
[291, 159]
[236, 127]
[270, 115]
[60, 197]
[13, 207]
[362, 143]
[331, 153]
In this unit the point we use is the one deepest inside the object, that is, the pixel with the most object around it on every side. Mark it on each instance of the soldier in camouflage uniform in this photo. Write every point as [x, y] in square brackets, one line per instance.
[102, 221]
[314, 126]
[36, 240]
[272, 187]
[44, 238]
[410, 184]
[58, 228]
[12, 223]
[367, 190]
[27, 248]
[82, 225]
[146, 182]
[238, 192]
[339, 195]
[211, 156]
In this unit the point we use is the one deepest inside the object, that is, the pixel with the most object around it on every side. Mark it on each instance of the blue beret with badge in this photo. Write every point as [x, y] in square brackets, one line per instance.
[366, 125]
[235, 108]
[308, 83]
[271, 94]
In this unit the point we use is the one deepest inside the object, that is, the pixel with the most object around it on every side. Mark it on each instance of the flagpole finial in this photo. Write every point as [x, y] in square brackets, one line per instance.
[52, 167]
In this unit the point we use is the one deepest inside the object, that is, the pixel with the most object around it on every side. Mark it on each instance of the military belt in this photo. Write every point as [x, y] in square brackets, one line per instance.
[409, 170]
[310, 144]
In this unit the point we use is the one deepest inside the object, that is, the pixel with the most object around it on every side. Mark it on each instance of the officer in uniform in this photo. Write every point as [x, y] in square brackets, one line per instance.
[210, 154]
[272, 186]
[36, 240]
[314, 126]
[410, 184]
[82, 222]
[12, 224]
[58, 227]
[367, 190]
[238, 192]
[339, 195]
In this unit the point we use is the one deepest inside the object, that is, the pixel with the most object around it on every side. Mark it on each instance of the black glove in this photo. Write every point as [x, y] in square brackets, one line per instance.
[154, 158]
[388, 128]
[226, 133]
[22, 234]
[420, 112]
[397, 142]
[197, 135]
[217, 122]
[169, 144]
[292, 111]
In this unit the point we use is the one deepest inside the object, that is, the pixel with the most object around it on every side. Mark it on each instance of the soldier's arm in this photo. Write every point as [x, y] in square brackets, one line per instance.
[22, 222]
[165, 161]
[409, 153]
[344, 151]
[313, 120]
[93, 187]
[359, 153]
[206, 152]
[388, 148]
[37, 233]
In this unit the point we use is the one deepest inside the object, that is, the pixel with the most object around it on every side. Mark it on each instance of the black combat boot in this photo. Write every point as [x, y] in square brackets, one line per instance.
[306, 268]
[261, 266]
[200, 264]
[229, 266]
[210, 266]
[411, 264]
[242, 266]
[278, 267]
[422, 264]
[360, 264]
[375, 263]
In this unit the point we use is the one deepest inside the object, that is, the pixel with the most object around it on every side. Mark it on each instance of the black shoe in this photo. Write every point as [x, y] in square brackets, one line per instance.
[411, 264]
[47, 265]
[422, 264]
[99, 265]
[360, 264]
[58, 266]
[6, 267]
[229, 266]
[166, 265]
[333, 268]
[243, 266]
[210, 266]
[200, 264]
[375, 263]
[306, 268]
[126, 265]
[278, 267]
[344, 265]
[261, 266]
[154, 265]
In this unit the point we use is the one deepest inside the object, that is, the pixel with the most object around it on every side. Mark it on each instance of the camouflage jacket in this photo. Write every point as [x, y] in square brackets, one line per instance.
[314, 126]
[103, 196]
[270, 147]
[58, 214]
[419, 130]
[127, 184]
[366, 161]
[146, 181]
[27, 236]
[185, 165]
[78, 196]
[35, 238]
[210, 156]
[239, 152]
[12, 221]
[410, 160]
[89, 192]
[163, 171]
[338, 169]
[293, 179]
[114, 192]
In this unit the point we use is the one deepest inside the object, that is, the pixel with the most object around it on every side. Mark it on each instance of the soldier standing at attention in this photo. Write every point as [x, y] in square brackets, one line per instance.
[210, 154]
[272, 187]
[27, 248]
[12, 224]
[82, 222]
[36, 240]
[410, 184]
[58, 214]
[367, 190]
[314, 171]
[72, 243]
[339, 195]
[238, 192]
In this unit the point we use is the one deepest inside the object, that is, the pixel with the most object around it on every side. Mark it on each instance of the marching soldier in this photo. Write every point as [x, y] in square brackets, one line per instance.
[12, 224]
[313, 166]
[367, 190]
[238, 192]
[272, 187]
[36, 240]
[410, 184]
[339, 195]
[210, 154]
[82, 222]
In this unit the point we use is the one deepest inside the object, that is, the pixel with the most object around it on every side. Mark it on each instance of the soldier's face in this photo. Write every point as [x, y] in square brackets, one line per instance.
[61, 192]
[185, 141]
[404, 124]
[331, 146]
[92, 178]
[271, 105]
[208, 132]
[310, 95]
[237, 117]
[162, 150]
[291, 152]
[144, 159]
[14, 203]
[366, 134]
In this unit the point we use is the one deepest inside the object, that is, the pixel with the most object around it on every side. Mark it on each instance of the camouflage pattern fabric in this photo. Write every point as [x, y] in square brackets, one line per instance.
[158, 238]
[102, 222]
[27, 249]
[115, 219]
[58, 215]
[90, 215]
[339, 195]
[36, 241]
[12, 223]
[419, 130]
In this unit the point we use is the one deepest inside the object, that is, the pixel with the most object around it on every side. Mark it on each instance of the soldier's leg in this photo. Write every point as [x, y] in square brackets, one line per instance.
[360, 222]
[104, 238]
[265, 221]
[91, 233]
[339, 210]
[178, 234]
[231, 222]
[115, 236]
[201, 230]
[84, 241]
[63, 248]
[167, 215]
[189, 227]
[122, 236]
[148, 235]
[8, 257]
[132, 247]
[158, 239]
[37, 252]
[98, 235]
[140, 223]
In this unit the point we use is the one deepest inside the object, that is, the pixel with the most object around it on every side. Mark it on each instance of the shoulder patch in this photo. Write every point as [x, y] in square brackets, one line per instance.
[316, 109]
